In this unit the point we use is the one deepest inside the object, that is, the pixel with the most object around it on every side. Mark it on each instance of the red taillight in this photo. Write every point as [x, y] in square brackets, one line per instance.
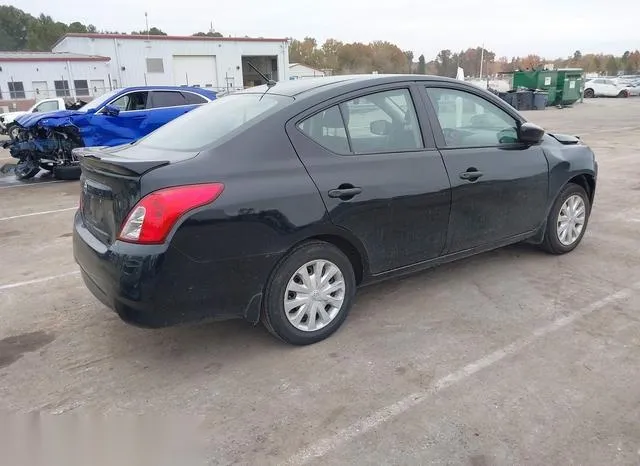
[152, 218]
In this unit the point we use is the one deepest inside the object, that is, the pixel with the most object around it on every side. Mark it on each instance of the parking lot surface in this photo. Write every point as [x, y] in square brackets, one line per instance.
[510, 357]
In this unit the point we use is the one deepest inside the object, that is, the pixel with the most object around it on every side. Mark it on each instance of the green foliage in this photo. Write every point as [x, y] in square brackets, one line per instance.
[153, 31]
[422, 65]
[208, 34]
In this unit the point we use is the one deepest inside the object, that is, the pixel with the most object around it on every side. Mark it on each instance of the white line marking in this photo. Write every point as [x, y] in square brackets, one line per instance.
[31, 184]
[32, 214]
[37, 280]
[364, 425]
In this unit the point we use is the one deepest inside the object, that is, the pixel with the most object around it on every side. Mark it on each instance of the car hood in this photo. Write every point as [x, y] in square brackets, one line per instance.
[12, 115]
[565, 139]
[52, 119]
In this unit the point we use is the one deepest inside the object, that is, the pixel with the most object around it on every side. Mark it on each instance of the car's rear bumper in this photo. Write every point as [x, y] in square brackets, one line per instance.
[159, 286]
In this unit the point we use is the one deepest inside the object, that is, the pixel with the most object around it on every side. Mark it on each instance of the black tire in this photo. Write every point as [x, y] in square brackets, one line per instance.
[66, 173]
[26, 169]
[623, 94]
[12, 131]
[274, 315]
[552, 243]
[589, 94]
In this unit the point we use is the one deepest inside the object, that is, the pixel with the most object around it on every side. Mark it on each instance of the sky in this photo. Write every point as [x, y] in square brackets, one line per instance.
[550, 28]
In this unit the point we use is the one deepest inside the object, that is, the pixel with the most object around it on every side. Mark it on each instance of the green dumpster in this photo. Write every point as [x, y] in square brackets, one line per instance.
[546, 80]
[570, 83]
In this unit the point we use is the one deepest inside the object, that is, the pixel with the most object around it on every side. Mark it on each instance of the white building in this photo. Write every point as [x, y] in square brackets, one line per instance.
[29, 76]
[300, 71]
[216, 62]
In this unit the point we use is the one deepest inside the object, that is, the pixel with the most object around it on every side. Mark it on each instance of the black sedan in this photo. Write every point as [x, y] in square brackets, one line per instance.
[276, 203]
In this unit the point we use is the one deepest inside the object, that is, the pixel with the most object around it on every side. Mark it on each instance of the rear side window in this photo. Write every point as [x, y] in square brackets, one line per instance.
[327, 129]
[210, 123]
[194, 99]
[163, 99]
[380, 122]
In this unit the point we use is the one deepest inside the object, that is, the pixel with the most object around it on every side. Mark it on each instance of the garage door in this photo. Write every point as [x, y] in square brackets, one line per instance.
[195, 70]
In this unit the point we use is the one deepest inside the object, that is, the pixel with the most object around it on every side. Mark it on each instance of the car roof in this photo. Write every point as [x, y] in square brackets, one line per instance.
[197, 90]
[310, 86]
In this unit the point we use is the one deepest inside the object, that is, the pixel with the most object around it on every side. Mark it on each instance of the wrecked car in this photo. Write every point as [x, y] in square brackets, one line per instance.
[46, 140]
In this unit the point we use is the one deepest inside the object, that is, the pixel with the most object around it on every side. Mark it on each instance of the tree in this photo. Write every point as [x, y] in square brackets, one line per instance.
[14, 27]
[577, 56]
[422, 65]
[154, 31]
[77, 27]
[446, 66]
[612, 66]
[409, 55]
[43, 32]
[208, 34]
[331, 50]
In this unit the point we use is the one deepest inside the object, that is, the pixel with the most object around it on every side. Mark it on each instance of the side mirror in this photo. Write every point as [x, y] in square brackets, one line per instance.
[530, 133]
[380, 127]
[111, 110]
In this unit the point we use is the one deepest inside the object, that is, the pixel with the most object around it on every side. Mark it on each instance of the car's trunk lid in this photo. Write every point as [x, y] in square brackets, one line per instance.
[111, 184]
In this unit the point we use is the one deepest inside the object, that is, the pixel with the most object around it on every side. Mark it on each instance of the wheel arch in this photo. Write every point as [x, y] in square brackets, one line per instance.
[587, 182]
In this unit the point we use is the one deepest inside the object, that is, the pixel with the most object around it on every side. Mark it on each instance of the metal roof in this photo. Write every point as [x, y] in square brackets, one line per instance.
[157, 37]
[48, 57]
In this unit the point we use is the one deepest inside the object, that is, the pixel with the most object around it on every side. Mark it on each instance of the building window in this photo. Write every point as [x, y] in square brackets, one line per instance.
[155, 65]
[82, 87]
[62, 88]
[16, 90]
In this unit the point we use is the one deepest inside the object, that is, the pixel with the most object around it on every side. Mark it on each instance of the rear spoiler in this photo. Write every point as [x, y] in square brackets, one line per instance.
[97, 159]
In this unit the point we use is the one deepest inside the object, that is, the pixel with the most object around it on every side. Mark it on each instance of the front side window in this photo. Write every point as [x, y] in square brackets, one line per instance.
[382, 122]
[62, 88]
[131, 101]
[327, 129]
[467, 120]
[16, 90]
[163, 99]
[49, 106]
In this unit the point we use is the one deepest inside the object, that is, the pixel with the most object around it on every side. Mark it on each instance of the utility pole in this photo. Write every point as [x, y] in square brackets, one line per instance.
[146, 20]
[481, 60]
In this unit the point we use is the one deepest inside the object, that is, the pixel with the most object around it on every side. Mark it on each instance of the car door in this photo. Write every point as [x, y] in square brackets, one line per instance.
[378, 172]
[499, 186]
[129, 125]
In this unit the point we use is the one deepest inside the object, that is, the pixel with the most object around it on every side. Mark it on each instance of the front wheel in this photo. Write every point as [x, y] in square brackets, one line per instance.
[26, 168]
[567, 221]
[13, 131]
[589, 94]
[623, 94]
[309, 294]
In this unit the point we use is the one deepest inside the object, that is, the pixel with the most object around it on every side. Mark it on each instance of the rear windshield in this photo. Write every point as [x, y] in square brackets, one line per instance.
[207, 124]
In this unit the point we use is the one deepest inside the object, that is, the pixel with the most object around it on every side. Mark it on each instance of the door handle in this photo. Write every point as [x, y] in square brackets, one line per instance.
[345, 193]
[471, 175]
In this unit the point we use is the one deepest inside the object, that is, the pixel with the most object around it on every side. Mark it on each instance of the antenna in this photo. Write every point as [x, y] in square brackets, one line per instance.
[270, 82]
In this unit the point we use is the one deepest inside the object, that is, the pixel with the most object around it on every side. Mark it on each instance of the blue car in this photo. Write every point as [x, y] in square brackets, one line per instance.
[46, 140]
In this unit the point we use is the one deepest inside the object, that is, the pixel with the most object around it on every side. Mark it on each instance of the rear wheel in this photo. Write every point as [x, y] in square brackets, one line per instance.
[589, 94]
[26, 168]
[65, 172]
[567, 221]
[309, 294]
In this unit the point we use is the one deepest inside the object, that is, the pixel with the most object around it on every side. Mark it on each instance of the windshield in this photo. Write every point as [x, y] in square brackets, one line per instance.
[209, 123]
[99, 101]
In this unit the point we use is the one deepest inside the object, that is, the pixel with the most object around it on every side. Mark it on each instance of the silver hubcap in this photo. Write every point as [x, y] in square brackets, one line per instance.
[571, 220]
[314, 295]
